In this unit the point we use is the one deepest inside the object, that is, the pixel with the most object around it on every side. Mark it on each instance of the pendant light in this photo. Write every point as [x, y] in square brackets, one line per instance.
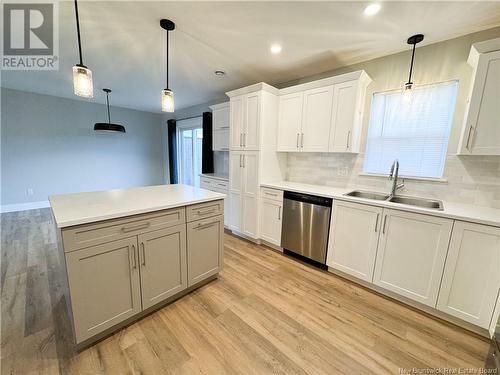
[413, 40]
[108, 126]
[82, 76]
[167, 95]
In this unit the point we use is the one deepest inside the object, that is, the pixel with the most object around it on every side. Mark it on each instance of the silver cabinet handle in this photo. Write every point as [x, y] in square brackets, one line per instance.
[244, 161]
[298, 135]
[468, 138]
[240, 162]
[241, 139]
[348, 136]
[271, 194]
[204, 212]
[137, 227]
[134, 257]
[143, 254]
[383, 227]
[376, 223]
[206, 225]
[244, 139]
[279, 212]
[302, 141]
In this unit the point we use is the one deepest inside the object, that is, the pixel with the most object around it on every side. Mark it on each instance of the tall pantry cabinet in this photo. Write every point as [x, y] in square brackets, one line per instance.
[252, 154]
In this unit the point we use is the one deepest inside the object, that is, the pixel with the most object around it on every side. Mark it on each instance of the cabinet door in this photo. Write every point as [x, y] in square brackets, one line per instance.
[482, 130]
[235, 187]
[221, 118]
[354, 235]
[316, 119]
[204, 248]
[290, 121]
[250, 192]
[411, 254]
[471, 277]
[160, 251]
[236, 127]
[344, 114]
[251, 122]
[104, 286]
[220, 140]
[270, 221]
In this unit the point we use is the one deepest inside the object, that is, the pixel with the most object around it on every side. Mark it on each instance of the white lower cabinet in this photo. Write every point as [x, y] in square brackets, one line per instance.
[156, 249]
[471, 279]
[271, 212]
[105, 286]
[411, 254]
[354, 235]
[205, 244]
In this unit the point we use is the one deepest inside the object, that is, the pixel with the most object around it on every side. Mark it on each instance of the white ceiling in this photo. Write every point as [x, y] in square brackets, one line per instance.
[124, 45]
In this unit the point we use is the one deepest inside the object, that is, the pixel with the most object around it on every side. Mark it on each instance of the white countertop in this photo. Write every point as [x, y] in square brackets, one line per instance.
[82, 208]
[217, 176]
[459, 211]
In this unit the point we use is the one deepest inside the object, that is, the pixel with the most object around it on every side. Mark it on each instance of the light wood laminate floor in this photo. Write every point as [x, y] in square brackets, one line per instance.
[265, 314]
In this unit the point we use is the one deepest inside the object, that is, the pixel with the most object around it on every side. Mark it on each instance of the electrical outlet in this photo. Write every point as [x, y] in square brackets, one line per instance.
[343, 171]
[29, 192]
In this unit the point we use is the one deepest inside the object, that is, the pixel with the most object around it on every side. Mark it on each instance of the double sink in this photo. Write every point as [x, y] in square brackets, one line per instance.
[400, 199]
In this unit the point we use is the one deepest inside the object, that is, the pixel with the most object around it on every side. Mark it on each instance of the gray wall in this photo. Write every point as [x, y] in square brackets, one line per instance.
[48, 144]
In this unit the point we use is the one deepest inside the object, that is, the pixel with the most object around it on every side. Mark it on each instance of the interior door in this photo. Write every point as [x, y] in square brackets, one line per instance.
[236, 126]
[252, 122]
[411, 254]
[235, 189]
[158, 251]
[343, 116]
[250, 193]
[316, 119]
[354, 235]
[105, 288]
[290, 121]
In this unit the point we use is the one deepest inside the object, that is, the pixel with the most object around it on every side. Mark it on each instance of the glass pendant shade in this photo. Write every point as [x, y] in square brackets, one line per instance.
[82, 81]
[167, 100]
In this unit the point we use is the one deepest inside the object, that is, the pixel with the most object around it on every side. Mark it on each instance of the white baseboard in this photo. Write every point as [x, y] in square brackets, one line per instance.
[24, 206]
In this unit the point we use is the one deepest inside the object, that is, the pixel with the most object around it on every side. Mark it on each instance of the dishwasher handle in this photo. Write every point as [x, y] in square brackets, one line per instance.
[306, 198]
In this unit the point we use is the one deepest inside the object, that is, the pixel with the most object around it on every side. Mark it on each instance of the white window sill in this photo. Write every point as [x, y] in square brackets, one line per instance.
[427, 179]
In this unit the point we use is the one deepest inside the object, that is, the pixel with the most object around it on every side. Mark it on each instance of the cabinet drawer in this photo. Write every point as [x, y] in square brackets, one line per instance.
[205, 182]
[220, 185]
[110, 230]
[203, 210]
[273, 194]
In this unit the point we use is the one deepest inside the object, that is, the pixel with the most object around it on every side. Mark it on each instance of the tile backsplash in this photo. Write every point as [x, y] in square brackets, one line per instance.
[469, 179]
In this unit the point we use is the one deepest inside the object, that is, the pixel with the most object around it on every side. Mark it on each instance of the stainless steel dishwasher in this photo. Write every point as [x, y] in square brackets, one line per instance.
[306, 224]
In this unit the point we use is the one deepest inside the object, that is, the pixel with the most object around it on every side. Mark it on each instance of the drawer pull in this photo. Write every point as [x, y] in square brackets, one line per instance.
[222, 185]
[137, 227]
[134, 258]
[201, 212]
[207, 225]
[143, 254]
[271, 194]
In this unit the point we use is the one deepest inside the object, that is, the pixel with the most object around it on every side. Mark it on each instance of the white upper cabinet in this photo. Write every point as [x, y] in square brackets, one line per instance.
[316, 119]
[220, 126]
[346, 121]
[481, 130]
[411, 254]
[290, 121]
[322, 116]
[471, 278]
[245, 122]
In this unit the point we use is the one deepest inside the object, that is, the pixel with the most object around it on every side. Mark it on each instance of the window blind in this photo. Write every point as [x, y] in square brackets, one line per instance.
[411, 127]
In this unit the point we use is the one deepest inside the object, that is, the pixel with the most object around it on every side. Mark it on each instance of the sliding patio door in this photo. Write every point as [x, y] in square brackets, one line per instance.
[189, 140]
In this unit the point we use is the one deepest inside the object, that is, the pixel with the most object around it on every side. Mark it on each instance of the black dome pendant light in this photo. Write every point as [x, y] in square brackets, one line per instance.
[108, 126]
[412, 40]
[167, 95]
[82, 76]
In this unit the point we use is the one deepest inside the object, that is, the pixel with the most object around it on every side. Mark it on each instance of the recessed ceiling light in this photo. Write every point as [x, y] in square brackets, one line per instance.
[275, 49]
[372, 9]
[220, 73]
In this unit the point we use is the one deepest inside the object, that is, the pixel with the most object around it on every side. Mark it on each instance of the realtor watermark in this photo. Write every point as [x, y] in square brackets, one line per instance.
[30, 35]
[446, 370]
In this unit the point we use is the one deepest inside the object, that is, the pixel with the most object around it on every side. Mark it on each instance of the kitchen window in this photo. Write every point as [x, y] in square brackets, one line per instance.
[189, 139]
[413, 127]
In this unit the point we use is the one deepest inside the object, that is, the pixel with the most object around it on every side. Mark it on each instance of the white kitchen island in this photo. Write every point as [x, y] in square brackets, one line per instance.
[128, 252]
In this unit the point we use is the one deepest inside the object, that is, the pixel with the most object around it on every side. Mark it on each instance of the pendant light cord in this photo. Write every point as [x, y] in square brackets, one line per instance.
[107, 102]
[167, 61]
[78, 32]
[411, 64]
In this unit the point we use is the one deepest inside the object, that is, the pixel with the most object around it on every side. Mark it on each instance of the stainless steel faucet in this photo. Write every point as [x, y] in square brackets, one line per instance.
[393, 176]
